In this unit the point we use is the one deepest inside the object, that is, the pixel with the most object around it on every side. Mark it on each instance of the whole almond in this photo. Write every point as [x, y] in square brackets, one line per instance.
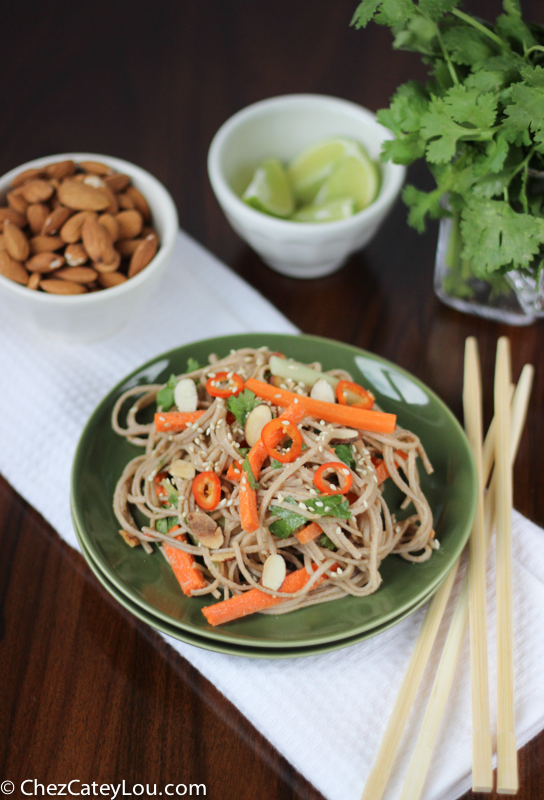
[15, 241]
[45, 244]
[37, 191]
[127, 246]
[26, 175]
[12, 269]
[109, 279]
[139, 202]
[109, 267]
[13, 216]
[75, 255]
[117, 182]
[130, 223]
[81, 196]
[2, 242]
[96, 166]
[60, 169]
[57, 286]
[17, 202]
[111, 225]
[71, 230]
[36, 215]
[97, 242]
[34, 281]
[56, 220]
[142, 255]
[125, 201]
[77, 274]
[45, 262]
[113, 207]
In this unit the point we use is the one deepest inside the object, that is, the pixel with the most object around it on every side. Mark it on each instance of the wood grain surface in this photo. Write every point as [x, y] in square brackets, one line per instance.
[86, 690]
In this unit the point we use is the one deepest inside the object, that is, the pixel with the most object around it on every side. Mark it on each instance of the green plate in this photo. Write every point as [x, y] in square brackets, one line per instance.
[227, 647]
[147, 580]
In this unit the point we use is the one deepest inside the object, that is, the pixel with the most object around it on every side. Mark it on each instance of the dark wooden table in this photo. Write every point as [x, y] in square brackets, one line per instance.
[86, 690]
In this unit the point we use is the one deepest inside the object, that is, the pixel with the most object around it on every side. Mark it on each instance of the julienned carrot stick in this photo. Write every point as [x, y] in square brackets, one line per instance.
[175, 421]
[183, 565]
[254, 600]
[382, 473]
[360, 418]
[309, 533]
[234, 472]
[249, 516]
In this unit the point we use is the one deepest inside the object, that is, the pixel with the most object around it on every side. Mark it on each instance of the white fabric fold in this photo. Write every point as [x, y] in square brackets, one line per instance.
[326, 714]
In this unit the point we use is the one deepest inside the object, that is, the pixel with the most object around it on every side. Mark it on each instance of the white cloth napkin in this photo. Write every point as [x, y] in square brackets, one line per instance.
[326, 714]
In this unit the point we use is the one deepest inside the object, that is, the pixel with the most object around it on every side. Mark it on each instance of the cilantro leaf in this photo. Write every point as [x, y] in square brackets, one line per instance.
[288, 522]
[166, 523]
[173, 496]
[364, 12]
[329, 505]
[246, 466]
[324, 541]
[192, 364]
[345, 454]
[422, 203]
[275, 464]
[467, 45]
[165, 396]
[242, 404]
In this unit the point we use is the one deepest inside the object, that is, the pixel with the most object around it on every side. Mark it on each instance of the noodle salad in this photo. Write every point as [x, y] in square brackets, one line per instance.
[262, 482]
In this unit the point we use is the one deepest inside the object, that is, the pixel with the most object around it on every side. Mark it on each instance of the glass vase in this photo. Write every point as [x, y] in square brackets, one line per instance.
[514, 298]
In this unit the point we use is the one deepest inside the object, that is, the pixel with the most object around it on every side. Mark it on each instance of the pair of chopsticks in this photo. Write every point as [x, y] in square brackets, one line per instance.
[501, 443]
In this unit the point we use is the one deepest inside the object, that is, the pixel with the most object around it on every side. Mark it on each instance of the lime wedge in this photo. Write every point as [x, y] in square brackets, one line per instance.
[269, 190]
[309, 169]
[327, 212]
[356, 176]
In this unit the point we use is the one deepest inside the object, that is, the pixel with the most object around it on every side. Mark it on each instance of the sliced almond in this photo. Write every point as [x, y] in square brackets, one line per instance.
[185, 395]
[274, 572]
[36, 215]
[97, 242]
[13, 216]
[345, 436]
[45, 244]
[37, 191]
[77, 274]
[82, 197]
[56, 286]
[34, 281]
[75, 255]
[182, 469]
[55, 220]
[260, 416]
[127, 246]
[143, 254]
[113, 266]
[96, 167]
[140, 203]
[125, 201]
[108, 280]
[322, 390]
[130, 224]
[12, 269]
[17, 202]
[205, 530]
[130, 539]
[45, 262]
[26, 175]
[16, 242]
[111, 225]
[71, 230]
[60, 169]
[117, 182]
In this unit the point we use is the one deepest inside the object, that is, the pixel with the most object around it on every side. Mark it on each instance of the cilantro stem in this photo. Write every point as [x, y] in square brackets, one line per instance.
[482, 28]
[535, 47]
[447, 58]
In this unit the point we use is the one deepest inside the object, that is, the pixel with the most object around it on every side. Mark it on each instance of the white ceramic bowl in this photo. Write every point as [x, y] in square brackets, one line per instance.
[83, 318]
[280, 128]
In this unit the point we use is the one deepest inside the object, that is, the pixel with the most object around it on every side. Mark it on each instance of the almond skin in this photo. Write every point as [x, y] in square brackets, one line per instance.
[13, 216]
[140, 203]
[2, 242]
[71, 230]
[111, 225]
[75, 255]
[45, 244]
[16, 242]
[17, 202]
[125, 201]
[97, 242]
[36, 215]
[82, 197]
[45, 262]
[37, 191]
[34, 281]
[96, 167]
[130, 224]
[143, 254]
[26, 175]
[12, 269]
[56, 220]
[109, 279]
[118, 182]
[127, 246]
[60, 169]
[77, 274]
[57, 286]
[112, 266]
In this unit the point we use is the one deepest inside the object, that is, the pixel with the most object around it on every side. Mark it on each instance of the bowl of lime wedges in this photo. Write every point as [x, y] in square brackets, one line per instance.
[299, 179]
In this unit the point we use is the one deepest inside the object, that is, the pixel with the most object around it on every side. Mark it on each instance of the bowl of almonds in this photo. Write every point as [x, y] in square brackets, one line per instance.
[84, 239]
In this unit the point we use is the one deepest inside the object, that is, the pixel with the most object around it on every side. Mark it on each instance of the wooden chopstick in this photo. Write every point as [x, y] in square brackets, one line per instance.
[421, 756]
[507, 763]
[482, 752]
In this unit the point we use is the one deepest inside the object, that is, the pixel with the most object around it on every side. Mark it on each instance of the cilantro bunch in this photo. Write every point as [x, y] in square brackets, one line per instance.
[478, 122]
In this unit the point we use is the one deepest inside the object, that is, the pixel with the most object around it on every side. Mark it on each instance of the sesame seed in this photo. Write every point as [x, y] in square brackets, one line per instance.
[436, 544]
[211, 374]
[197, 441]
[338, 529]
[295, 400]
[161, 419]
[339, 571]
[301, 505]
[283, 386]
[280, 498]
[397, 528]
[327, 508]
[229, 375]
[313, 491]
[320, 448]
[319, 504]
[321, 421]
[277, 396]
[244, 480]
[191, 449]
[345, 471]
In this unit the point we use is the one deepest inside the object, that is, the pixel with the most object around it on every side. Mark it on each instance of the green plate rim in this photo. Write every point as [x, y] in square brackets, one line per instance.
[243, 339]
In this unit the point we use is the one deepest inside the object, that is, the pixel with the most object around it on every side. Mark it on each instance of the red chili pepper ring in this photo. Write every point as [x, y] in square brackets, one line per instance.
[344, 475]
[271, 436]
[234, 384]
[206, 489]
